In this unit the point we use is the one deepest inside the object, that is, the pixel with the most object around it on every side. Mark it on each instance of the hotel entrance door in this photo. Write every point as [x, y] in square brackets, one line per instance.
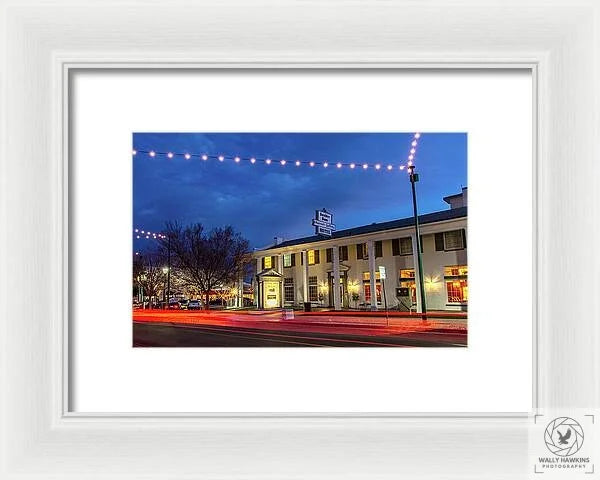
[272, 294]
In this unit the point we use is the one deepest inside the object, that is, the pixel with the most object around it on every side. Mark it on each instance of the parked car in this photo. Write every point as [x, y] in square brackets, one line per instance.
[183, 304]
[174, 306]
[194, 305]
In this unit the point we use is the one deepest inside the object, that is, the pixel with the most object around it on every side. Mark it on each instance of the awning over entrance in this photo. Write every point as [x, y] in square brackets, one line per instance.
[269, 272]
[269, 288]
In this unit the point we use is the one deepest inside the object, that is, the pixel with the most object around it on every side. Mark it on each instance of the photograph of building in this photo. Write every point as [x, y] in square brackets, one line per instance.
[300, 239]
[305, 270]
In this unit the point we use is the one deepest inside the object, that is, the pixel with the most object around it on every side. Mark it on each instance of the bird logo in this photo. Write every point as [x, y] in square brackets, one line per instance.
[563, 436]
[563, 439]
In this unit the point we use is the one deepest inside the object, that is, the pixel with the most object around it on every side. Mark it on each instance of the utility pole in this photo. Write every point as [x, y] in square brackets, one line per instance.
[414, 177]
[169, 267]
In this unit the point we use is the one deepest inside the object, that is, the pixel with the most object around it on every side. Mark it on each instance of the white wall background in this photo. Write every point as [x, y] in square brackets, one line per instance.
[493, 375]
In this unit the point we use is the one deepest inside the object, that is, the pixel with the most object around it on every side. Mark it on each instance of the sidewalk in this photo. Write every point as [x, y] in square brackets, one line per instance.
[436, 321]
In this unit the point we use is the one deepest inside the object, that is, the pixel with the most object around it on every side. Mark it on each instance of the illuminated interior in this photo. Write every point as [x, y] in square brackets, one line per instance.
[458, 291]
[271, 294]
[367, 276]
[407, 273]
[455, 270]
[456, 283]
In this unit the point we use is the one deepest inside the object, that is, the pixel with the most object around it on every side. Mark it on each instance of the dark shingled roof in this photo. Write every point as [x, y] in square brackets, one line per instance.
[379, 227]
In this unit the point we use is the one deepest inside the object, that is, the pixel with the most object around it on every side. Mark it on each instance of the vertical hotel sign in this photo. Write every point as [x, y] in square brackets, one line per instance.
[323, 223]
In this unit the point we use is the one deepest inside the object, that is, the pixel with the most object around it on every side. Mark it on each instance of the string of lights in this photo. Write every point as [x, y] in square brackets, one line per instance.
[140, 233]
[297, 163]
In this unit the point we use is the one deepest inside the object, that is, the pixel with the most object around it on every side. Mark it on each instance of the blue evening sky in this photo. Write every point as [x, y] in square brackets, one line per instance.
[264, 201]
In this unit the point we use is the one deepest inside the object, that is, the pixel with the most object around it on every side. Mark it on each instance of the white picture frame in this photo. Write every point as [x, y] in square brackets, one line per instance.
[42, 41]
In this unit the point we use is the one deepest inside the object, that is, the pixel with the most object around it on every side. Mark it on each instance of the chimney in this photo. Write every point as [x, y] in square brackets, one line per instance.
[458, 200]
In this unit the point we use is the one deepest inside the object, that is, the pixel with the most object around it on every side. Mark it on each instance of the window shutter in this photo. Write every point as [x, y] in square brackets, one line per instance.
[329, 254]
[359, 251]
[273, 263]
[344, 253]
[439, 242]
[317, 259]
[263, 263]
[378, 249]
[421, 242]
[301, 258]
[396, 246]
[464, 236]
[293, 255]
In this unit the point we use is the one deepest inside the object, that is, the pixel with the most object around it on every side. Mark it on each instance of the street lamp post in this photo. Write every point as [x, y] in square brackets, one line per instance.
[169, 267]
[165, 300]
[414, 177]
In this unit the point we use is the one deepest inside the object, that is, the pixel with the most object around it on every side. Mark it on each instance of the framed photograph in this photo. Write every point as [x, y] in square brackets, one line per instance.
[310, 241]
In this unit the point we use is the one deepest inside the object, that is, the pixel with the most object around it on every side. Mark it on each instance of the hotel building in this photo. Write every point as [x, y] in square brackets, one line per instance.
[307, 270]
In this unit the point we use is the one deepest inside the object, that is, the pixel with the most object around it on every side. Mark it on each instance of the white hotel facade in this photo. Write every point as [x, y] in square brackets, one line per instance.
[305, 270]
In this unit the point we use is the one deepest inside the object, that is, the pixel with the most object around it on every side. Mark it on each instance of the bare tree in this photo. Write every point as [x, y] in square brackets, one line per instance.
[207, 260]
[148, 272]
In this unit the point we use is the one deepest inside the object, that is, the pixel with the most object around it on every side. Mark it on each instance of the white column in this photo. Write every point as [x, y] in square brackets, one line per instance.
[304, 276]
[256, 290]
[416, 264]
[280, 270]
[241, 292]
[336, 278]
[373, 280]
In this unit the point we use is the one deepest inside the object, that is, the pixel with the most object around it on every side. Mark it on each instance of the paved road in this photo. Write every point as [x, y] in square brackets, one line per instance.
[170, 335]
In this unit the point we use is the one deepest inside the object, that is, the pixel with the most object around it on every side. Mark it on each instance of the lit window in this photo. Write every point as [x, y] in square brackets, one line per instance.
[268, 263]
[407, 273]
[455, 271]
[313, 257]
[367, 276]
[367, 291]
[412, 288]
[458, 291]
[456, 283]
